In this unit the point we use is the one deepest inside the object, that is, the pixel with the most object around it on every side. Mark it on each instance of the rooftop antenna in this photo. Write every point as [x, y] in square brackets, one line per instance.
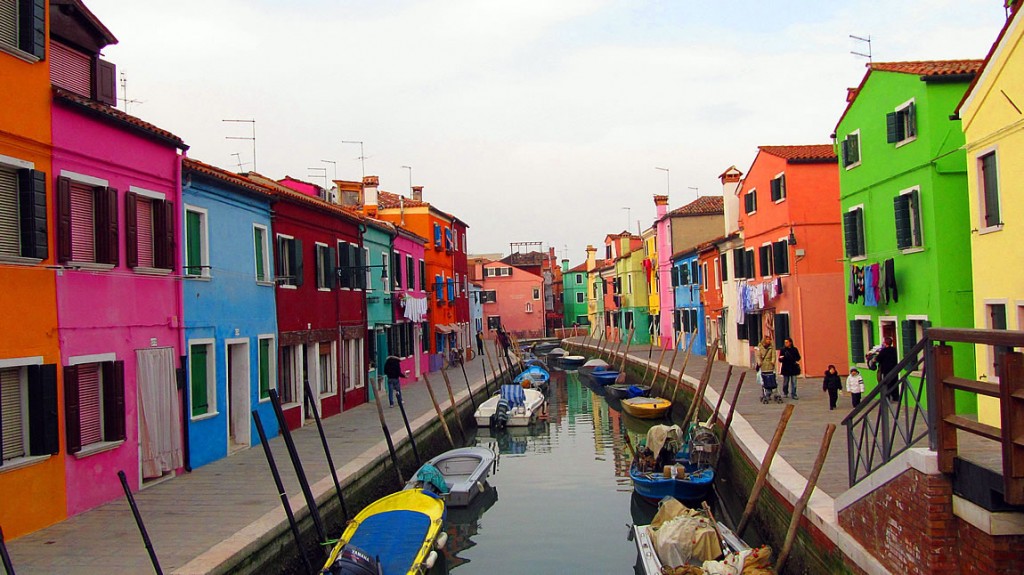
[334, 167]
[238, 160]
[251, 138]
[628, 219]
[124, 93]
[866, 41]
[323, 175]
[362, 156]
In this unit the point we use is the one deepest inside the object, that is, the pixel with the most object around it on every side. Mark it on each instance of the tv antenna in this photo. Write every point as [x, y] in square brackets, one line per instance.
[628, 219]
[124, 93]
[251, 138]
[866, 41]
[321, 175]
[238, 160]
[362, 155]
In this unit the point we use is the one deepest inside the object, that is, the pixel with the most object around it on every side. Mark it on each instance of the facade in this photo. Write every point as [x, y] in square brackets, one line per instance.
[512, 298]
[994, 180]
[650, 269]
[380, 281]
[32, 451]
[789, 270]
[595, 294]
[712, 276]
[574, 295]
[688, 315]
[476, 311]
[629, 286]
[460, 266]
[903, 178]
[230, 320]
[118, 198]
[409, 334]
[666, 292]
[736, 351]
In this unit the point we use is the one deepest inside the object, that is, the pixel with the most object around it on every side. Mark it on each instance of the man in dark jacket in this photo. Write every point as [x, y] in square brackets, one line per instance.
[789, 358]
[479, 344]
[393, 371]
[887, 359]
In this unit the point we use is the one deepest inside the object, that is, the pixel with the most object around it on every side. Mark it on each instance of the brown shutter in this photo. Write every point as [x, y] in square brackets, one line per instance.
[113, 401]
[44, 432]
[70, 69]
[131, 241]
[104, 82]
[167, 240]
[63, 220]
[72, 425]
[110, 236]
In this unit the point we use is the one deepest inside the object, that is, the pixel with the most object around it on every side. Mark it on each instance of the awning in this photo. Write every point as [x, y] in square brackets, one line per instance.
[442, 328]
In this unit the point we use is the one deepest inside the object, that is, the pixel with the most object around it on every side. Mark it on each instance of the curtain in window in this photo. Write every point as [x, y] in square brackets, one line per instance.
[159, 412]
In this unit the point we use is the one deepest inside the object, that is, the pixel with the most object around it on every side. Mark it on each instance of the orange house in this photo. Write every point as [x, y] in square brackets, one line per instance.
[790, 267]
[712, 276]
[31, 452]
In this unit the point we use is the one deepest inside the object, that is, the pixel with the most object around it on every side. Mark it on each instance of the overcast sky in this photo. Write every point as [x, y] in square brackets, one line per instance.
[530, 120]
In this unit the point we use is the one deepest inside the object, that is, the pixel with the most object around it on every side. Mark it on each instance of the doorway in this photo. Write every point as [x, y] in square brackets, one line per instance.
[160, 433]
[238, 378]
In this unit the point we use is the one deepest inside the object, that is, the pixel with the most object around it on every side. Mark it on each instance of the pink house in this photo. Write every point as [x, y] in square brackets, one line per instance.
[666, 292]
[119, 308]
[411, 303]
[512, 298]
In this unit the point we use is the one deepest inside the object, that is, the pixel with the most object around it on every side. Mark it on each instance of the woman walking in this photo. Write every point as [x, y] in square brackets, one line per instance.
[764, 362]
[789, 357]
[832, 384]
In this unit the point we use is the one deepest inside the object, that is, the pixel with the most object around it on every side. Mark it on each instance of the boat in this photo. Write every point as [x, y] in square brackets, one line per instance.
[533, 376]
[395, 534]
[659, 470]
[572, 361]
[463, 471]
[591, 365]
[544, 347]
[512, 406]
[604, 376]
[626, 390]
[646, 407]
[556, 354]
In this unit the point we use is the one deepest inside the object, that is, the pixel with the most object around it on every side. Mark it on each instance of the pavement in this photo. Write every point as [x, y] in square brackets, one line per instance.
[201, 520]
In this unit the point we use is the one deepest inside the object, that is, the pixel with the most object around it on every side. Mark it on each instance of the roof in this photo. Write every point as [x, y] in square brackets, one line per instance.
[96, 108]
[988, 57]
[702, 206]
[705, 246]
[813, 153]
[580, 268]
[98, 28]
[388, 200]
[286, 193]
[684, 253]
[925, 69]
[216, 173]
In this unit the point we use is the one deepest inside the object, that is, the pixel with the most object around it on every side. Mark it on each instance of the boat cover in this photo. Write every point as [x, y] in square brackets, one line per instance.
[514, 395]
[680, 533]
[748, 562]
[395, 537]
[658, 435]
[432, 475]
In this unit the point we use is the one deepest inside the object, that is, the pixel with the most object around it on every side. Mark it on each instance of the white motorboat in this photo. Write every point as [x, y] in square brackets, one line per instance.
[464, 470]
[512, 406]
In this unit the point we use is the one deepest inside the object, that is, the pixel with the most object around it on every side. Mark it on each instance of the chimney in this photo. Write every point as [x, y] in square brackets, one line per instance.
[661, 204]
[851, 94]
[565, 266]
[370, 184]
[731, 180]
[417, 193]
[591, 258]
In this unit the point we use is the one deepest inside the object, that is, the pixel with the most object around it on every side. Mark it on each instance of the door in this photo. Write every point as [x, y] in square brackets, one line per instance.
[417, 346]
[239, 391]
[160, 434]
[353, 372]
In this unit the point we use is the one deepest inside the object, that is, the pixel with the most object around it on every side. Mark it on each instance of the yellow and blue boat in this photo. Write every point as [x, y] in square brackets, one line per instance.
[395, 535]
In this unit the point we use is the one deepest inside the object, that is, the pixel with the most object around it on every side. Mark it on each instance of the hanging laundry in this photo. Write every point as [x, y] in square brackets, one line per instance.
[851, 290]
[741, 293]
[875, 273]
[870, 283]
[890, 279]
[858, 285]
[883, 294]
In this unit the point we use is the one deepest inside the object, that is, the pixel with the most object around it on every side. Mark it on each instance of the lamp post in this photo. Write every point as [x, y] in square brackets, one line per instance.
[668, 182]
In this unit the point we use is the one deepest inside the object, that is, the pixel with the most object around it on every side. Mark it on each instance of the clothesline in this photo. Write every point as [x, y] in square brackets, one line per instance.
[752, 296]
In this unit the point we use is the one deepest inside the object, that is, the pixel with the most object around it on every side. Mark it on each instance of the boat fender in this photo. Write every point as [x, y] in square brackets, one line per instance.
[441, 540]
[431, 559]
[480, 486]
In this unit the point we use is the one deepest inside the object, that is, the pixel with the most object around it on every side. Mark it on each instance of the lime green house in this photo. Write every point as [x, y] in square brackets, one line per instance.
[903, 197]
[630, 286]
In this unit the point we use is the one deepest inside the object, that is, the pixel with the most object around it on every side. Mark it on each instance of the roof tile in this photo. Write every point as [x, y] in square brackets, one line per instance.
[806, 153]
[929, 67]
[702, 206]
[118, 115]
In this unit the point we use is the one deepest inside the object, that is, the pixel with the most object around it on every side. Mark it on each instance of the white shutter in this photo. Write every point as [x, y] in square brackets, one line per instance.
[90, 403]
[144, 231]
[83, 226]
[9, 23]
[70, 69]
[10, 411]
[10, 229]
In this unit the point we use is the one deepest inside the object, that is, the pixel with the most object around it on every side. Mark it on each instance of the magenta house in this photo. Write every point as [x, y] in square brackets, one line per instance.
[410, 308]
[117, 182]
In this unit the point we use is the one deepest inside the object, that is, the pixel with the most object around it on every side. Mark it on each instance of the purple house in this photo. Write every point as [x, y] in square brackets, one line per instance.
[117, 181]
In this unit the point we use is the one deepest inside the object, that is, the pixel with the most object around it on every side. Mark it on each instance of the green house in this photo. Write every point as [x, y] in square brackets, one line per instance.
[903, 195]
[574, 294]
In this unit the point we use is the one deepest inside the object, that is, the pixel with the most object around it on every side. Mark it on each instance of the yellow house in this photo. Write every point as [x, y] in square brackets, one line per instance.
[993, 124]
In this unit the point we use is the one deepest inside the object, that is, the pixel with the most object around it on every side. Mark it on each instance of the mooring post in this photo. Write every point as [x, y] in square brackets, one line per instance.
[801, 504]
[721, 396]
[455, 409]
[472, 399]
[5, 559]
[682, 370]
[300, 473]
[732, 405]
[762, 474]
[440, 414]
[327, 448]
[408, 428]
[139, 523]
[387, 437]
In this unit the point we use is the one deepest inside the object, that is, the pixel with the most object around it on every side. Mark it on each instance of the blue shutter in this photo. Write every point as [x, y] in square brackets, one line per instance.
[437, 234]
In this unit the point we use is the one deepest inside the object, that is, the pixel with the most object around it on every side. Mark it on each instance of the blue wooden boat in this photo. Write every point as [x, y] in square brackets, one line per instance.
[684, 481]
[533, 376]
[604, 376]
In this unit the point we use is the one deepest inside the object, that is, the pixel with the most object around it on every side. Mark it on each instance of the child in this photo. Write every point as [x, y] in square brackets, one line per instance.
[832, 384]
[855, 385]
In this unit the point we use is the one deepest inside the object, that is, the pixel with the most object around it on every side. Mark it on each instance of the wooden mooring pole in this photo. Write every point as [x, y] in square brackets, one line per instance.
[801, 504]
[437, 408]
[138, 521]
[327, 448]
[732, 405]
[494, 373]
[682, 370]
[5, 559]
[762, 474]
[387, 437]
[455, 410]
[721, 396]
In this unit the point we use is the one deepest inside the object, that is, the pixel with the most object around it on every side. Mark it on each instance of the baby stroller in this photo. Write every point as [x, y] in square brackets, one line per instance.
[769, 388]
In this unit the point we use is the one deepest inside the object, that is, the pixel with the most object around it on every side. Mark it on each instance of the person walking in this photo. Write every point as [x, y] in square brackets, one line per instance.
[479, 344]
[885, 362]
[854, 386]
[764, 362]
[789, 357]
[832, 384]
[393, 371]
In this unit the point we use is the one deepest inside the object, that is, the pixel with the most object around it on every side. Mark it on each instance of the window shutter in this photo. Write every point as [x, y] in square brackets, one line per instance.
[106, 231]
[104, 82]
[764, 257]
[63, 220]
[10, 224]
[264, 366]
[725, 266]
[990, 179]
[198, 371]
[423, 276]
[781, 257]
[908, 331]
[11, 431]
[32, 205]
[748, 261]
[844, 152]
[914, 211]
[44, 432]
[911, 113]
[330, 275]
[346, 264]
[859, 227]
[113, 401]
[776, 194]
[781, 328]
[32, 27]
[72, 421]
[257, 237]
[901, 207]
[131, 237]
[163, 244]
[850, 233]
[741, 331]
[437, 234]
[891, 131]
[737, 263]
[90, 408]
[297, 261]
[782, 186]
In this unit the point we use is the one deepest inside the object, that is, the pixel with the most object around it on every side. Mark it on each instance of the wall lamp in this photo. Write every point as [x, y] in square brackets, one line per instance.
[792, 238]
[342, 270]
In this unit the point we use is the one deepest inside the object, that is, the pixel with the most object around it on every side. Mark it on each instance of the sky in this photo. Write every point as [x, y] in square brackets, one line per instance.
[531, 120]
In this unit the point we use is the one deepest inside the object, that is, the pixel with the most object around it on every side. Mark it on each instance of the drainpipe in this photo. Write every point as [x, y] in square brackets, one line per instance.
[180, 304]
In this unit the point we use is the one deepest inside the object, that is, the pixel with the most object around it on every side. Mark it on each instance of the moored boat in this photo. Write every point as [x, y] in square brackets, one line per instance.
[512, 406]
[572, 361]
[646, 407]
[533, 376]
[591, 365]
[395, 534]
[604, 376]
[684, 481]
[464, 472]
[626, 391]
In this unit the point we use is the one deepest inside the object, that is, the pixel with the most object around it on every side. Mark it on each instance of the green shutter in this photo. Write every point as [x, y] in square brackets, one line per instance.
[856, 342]
[908, 328]
[901, 207]
[990, 180]
[193, 247]
[853, 148]
[859, 219]
[261, 271]
[200, 399]
[891, 128]
[264, 368]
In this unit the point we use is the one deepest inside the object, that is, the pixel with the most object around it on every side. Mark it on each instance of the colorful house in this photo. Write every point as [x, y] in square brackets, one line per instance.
[666, 292]
[996, 197]
[574, 294]
[512, 298]
[650, 267]
[736, 351]
[476, 310]
[230, 319]
[595, 294]
[713, 276]
[32, 457]
[409, 334]
[688, 315]
[119, 303]
[381, 280]
[904, 204]
[460, 267]
[630, 286]
[789, 270]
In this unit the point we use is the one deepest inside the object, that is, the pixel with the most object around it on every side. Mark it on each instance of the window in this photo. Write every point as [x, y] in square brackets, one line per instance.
[704, 276]
[907, 207]
[901, 125]
[267, 367]
[718, 273]
[447, 239]
[629, 284]
[750, 202]
[748, 263]
[289, 261]
[367, 279]
[23, 27]
[410, 273]
[149, 232]
[754, 328]
[778, 188]
[396, 267]
[23, 231]
[912, 330]
[853, 232]
[988, 169]
[608, 252]
[488, 296]
[425, 337]
[529, 307]
[764, 254]
[780, 257]
[438, 289]
[262, 251]
[324, 267]
[94, 403]
[437, 236]
[862, 338]
[579, 297]
[996, 319]
[352, 374]
[28, 410]
[582, 320]
[493, 321]
[325, 365]
[291, 371]
[579, 279]
[781, 329]
[86, 222]
[627, 320]
[351, 263]
[451, 289]
[423, 276]
[850, 150]
[202, 378]
[739, 269]
[385, 262]
[195, 241]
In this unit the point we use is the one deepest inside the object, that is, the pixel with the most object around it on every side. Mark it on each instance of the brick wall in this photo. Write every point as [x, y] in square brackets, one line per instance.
[981, 553]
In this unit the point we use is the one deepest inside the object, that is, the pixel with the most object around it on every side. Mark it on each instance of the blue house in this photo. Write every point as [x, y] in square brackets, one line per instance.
[230, 317]
[689, 311]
